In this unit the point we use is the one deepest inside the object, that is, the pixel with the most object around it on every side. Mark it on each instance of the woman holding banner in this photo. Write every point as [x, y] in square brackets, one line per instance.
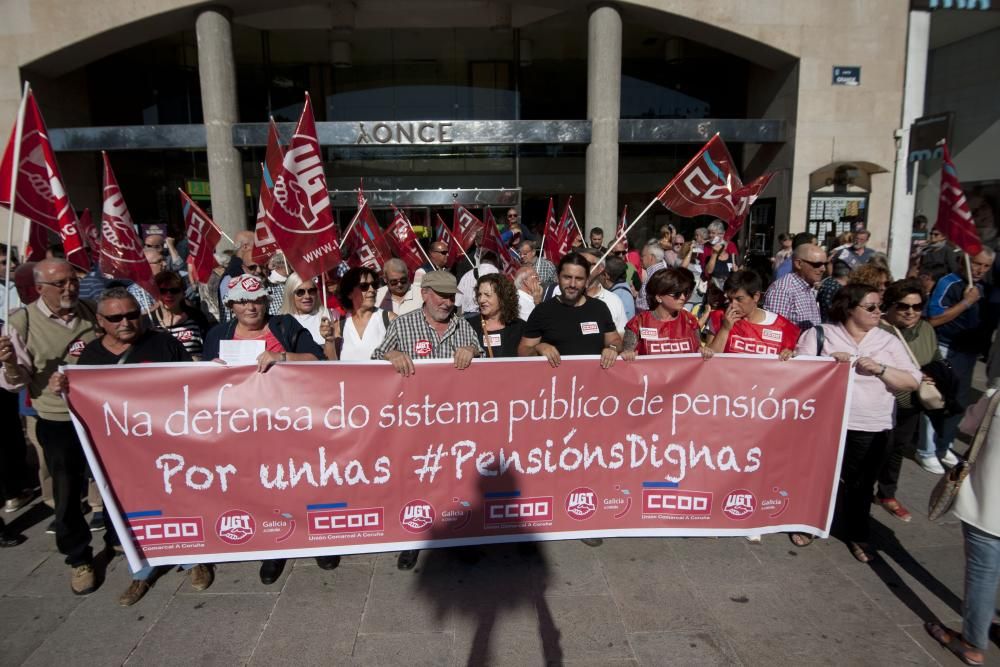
[303, 303]
[667, 328]
[363, 328]
[497, 323]
[882, 367]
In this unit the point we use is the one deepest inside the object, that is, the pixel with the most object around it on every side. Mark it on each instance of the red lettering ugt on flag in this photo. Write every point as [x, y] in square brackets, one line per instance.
[121, 251]
[301, 216]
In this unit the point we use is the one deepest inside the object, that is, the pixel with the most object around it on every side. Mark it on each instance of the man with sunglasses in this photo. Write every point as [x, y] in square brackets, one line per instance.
[438, 254]
[399, 295]
[794, 296]
[51, 332]
[938, 254]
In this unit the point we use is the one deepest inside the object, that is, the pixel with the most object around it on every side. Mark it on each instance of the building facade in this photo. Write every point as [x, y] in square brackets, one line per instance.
[603, 102]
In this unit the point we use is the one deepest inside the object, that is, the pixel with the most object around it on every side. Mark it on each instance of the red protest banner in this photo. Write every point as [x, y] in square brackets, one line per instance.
[954, 217]
[202, 237]
[301, 218]
[121, 250]
[207, 463]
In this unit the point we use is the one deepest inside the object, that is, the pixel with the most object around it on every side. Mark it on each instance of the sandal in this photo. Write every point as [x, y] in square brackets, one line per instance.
[893, 507]
[860, 552]
[801, 539]
[953, 641]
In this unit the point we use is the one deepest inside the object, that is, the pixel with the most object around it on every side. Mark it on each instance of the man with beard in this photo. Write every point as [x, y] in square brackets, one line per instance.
[51, 332]
[126, 340]
[436, 331]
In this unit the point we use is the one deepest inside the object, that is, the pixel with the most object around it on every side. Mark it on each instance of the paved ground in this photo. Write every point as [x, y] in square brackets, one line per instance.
[631, 601]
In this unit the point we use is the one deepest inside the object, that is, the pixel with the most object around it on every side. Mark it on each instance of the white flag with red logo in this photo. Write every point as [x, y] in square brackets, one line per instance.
[444, 235]
[202, 237]
[264, 245]
[41, 194]
[301, 217]
[954, 217]
[465, 226]
[121, 250]
[494, 242]
[404, 241]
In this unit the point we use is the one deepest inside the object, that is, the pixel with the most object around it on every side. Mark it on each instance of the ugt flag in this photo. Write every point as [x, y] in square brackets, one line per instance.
[301, 217]
[202, 237]
[954, 217]
[40, 194]
[121, 250]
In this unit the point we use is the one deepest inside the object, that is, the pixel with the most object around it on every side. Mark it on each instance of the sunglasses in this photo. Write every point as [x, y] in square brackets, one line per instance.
[906, 307]
[364, 287]
[153, 246]
[302, 291]
[397, 281]
[253, 267]
[676, 295]
[815, 265]
[61, 284]
[871, 307]
[115, 319]
[171, 290]
[440, 252]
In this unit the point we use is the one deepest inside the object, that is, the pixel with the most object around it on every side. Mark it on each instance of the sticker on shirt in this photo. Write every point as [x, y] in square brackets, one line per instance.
[422, 348]
[773, 335]
[669, 346]
[76, 348]
[589, 328]
[491, 340]
[648, 333]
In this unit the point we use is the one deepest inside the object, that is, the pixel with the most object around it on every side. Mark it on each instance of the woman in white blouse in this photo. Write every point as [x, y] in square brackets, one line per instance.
[303, 303]
[364, 327]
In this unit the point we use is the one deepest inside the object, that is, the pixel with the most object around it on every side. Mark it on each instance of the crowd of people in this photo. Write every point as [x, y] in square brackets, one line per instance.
[669, 296]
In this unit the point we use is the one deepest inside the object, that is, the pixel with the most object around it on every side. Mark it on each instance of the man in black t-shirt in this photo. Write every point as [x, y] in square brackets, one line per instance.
[572, 322]
[126, 340]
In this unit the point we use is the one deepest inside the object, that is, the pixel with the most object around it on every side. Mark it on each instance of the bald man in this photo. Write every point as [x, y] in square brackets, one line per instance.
[794, 296]
[49, 333]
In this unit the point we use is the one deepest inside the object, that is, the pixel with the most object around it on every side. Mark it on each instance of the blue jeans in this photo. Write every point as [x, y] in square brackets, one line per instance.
[933, 443]
[982, 576]
[146, 572]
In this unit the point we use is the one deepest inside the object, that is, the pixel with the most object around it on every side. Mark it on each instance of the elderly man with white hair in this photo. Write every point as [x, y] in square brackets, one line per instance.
[399, 295]
[653, 259]
[529, 290]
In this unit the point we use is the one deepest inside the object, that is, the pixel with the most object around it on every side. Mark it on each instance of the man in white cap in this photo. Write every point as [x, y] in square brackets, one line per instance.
[436, 331]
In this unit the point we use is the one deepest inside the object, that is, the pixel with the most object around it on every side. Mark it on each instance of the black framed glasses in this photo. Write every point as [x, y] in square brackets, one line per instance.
[60, 284]
[815, 265]
[871, 307]
[395, 282]
[302, 291]
[364, 286]
[171, 290]
[906, 307]
[115, 319]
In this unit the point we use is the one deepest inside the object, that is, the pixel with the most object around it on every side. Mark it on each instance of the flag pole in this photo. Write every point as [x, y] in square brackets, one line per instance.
[573, 216]
[968, 269]
[347, 232]
[623, 234]
[15, 168]
[212, 222]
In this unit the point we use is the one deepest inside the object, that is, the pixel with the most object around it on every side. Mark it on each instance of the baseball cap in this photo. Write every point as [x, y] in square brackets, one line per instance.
[440, 281]
[246, 288]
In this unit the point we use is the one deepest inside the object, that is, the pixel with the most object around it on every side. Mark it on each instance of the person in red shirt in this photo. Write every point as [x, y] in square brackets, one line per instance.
[744, 327]
[667, 328]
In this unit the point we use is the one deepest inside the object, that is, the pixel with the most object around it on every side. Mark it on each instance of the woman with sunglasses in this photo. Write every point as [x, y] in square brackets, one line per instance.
[904, 307]
[882, 367]
[668, 328]
[363, 329]
[302, 302]
[173, 315]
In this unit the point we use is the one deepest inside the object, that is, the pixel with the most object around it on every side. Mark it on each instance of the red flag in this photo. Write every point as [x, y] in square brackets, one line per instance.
[566, 234]
[954, 218]
[404, 241]
[492, 241]
[38, 242]
[121, 250]
[301, 217]
[550, 239]
[88, 230]
[465, 226]
[264, 244]
[202, 237]
[367, 242]
[622, 223]
[445, 236]
[705, 185]
[744, 198]
[41, 194]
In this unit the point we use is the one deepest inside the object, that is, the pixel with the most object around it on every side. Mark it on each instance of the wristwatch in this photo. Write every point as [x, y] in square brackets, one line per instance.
[881, 371]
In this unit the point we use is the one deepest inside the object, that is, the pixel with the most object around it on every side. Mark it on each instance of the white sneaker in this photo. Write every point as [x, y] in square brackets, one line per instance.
[931, 464]
[950, 459]
[755, 539]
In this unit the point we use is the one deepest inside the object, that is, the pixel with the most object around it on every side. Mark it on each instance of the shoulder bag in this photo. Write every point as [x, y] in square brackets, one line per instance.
[928, 394]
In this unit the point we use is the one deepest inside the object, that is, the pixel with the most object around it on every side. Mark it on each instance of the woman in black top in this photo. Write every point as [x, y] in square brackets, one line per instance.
[172, 314]
[497, 323]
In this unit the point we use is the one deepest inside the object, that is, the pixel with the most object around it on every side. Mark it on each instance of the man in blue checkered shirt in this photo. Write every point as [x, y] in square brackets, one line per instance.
[794, 296]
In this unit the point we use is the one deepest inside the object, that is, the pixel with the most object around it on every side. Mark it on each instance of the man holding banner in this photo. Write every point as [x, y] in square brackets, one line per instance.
[53, 331]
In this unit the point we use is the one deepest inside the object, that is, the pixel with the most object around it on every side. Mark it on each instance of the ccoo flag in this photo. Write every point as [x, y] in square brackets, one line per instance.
[264, 245]
[121, 250]
[404, 241]
[954, 217]
[202, 237]
[301, 217]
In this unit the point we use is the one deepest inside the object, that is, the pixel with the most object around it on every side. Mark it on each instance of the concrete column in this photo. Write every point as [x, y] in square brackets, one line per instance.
[901, 223]
[604, 84]
[217, 71]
